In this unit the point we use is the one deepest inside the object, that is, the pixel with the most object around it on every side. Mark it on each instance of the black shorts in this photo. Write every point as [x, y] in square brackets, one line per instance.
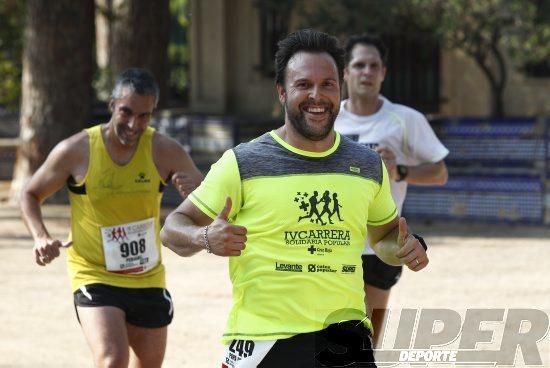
[344, 344]
[379, 274]
[147, 307]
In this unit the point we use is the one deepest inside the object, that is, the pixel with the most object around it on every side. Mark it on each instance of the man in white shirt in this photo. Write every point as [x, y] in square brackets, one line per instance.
[403, 138]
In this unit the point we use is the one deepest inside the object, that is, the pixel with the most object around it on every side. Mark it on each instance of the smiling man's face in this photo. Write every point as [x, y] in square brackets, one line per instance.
[132, 114]
[311, 94]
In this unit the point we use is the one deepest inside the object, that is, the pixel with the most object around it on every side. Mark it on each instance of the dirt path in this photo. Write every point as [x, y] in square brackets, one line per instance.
[470, 267]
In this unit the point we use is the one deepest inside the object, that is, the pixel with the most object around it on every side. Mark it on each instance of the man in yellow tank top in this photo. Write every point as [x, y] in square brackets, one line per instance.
[115, 173]
[292, 210]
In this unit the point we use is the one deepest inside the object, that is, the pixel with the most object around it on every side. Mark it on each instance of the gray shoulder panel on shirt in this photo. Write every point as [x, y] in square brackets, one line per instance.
[264, 157]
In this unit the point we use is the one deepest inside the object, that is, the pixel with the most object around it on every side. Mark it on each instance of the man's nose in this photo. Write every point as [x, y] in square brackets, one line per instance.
[314, 93]
[367, 70]
[133, 121]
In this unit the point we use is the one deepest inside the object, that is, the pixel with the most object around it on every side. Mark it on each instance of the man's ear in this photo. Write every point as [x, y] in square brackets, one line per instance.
[111, 105]
[281, 92]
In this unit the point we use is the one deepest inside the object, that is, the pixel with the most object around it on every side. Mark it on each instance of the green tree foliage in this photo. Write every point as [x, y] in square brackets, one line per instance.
[178, 48]
[482, 29]
[522, 27]
[116, 17]
[11, 46]
[344, 17]
[58, 67]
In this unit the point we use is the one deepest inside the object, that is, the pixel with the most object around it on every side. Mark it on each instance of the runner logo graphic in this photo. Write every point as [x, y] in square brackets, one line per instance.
[118, 234]
[319, 210]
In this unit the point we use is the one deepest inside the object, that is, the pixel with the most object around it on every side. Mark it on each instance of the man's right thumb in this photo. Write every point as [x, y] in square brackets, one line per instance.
[224, 214]
[67, 244]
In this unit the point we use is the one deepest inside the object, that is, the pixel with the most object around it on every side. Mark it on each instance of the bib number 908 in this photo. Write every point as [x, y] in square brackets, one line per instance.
[133, 248]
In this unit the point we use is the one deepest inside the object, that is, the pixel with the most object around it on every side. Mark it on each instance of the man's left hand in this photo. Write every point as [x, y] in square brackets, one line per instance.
[412, 254]
[389, 160]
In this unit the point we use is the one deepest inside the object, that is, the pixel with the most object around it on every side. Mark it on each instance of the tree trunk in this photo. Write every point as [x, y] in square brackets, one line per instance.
[57, 79]
[497, 81]
[497, 102]
[498, 91]
[103, 35]
[140, 36]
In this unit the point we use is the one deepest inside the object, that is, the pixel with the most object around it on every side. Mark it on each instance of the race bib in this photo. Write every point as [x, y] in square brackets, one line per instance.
[130, 248]
[246, 353]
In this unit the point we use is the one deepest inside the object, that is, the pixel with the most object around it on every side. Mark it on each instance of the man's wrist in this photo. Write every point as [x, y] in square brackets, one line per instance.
[402, 172]
[206, 243]
[421, 241]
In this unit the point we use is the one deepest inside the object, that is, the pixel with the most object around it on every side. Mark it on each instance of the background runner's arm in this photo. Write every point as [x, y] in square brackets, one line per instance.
[428, 174]
[175, 165]
[47, 180]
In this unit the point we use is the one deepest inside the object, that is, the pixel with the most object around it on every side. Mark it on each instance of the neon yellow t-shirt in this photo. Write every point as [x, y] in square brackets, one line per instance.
[115, 219]
[306, 214]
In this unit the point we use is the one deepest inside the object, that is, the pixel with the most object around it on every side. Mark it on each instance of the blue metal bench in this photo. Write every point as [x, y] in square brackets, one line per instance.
[497, 173]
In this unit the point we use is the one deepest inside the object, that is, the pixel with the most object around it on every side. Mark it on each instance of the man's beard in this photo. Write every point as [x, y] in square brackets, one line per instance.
[299, 122]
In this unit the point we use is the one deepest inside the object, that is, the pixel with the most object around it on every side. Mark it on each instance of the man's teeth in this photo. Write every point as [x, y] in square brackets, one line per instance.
[316, 109]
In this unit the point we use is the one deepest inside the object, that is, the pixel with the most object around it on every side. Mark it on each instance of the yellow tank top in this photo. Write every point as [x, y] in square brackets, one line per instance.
[115, 219]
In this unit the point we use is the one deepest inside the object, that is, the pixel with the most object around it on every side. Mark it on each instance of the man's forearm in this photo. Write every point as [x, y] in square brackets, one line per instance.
[181, 235]
[32, 216]
[428, 174]
[396, 246]
[387, 248]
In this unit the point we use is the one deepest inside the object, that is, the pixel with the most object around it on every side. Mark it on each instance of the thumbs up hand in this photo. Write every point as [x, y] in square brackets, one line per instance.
[225, 239]
[412, 254]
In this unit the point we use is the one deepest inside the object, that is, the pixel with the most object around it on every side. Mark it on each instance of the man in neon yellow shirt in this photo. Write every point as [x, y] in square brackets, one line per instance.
[269, 204]
[115, 174]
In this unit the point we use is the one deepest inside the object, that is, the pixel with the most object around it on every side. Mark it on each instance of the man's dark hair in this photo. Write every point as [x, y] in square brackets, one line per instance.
[367, 40]
[137, 80]
[311, 41]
